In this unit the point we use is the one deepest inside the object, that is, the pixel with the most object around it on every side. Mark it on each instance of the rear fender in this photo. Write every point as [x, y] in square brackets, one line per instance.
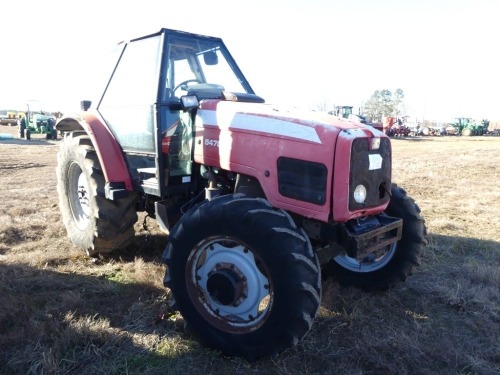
[107, 147]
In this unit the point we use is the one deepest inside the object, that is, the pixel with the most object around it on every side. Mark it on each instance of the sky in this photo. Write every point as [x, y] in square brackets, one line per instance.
[443, 54]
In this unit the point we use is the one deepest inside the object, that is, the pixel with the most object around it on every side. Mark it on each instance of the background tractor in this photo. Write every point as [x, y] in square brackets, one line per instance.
[345, 111]
[389, 125]
[394, 127]
[493, 128]
[36, 121]
[257, 202]
[467, 126]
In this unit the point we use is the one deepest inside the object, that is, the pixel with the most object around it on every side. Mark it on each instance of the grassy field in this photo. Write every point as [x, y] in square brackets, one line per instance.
[64, 313]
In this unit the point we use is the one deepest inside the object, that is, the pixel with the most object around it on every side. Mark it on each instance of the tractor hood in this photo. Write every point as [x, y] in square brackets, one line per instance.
[269, 120]
[290, 152]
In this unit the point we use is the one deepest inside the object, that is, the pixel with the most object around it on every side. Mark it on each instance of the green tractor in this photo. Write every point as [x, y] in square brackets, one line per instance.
[37, 123]
[468, 127]
[346, 111]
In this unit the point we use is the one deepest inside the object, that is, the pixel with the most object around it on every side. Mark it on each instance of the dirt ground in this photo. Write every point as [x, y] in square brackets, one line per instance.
[64, 313]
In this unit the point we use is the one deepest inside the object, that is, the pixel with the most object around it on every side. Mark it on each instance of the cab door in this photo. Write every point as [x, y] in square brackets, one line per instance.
[129, 107]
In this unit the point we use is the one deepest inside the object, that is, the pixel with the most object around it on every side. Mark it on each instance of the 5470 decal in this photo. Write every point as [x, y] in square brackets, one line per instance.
[212, 142]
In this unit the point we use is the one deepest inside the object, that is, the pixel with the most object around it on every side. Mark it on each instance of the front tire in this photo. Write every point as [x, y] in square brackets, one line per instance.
[94, 223]
[243, 276]
[393, 264]
[467, 132]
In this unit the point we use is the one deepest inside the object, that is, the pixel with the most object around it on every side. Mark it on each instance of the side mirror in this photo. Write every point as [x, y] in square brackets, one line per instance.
[211, 58]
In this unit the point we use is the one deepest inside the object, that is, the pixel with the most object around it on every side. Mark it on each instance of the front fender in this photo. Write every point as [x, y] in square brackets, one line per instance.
[108, 149]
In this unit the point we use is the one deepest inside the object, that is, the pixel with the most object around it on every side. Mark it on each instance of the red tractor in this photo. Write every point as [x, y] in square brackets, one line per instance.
[256, 201]
[395, 128]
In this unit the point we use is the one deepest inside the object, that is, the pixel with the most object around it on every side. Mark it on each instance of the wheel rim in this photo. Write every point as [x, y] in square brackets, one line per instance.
[227, 284]
[78, 195]
[372, 262]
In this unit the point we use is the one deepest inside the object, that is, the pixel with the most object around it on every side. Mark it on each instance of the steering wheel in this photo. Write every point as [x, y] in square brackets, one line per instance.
[184, 83]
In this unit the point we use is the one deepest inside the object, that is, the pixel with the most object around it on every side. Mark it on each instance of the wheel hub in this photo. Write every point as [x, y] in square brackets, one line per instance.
[226, 285]
[79, 197]
[231, 289]
[369, 263]
[83, 196]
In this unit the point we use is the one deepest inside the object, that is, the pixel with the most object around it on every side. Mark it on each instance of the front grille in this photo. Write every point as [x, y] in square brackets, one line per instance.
[303, 180]
[377, 181]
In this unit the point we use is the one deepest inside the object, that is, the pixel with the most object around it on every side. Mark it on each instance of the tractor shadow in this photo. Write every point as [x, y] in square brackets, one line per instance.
[69, 322]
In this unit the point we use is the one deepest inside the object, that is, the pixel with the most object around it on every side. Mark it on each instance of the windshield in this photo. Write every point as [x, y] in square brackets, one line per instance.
[200, 66]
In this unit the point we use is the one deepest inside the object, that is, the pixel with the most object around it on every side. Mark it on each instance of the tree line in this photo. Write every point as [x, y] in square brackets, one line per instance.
[382, 103]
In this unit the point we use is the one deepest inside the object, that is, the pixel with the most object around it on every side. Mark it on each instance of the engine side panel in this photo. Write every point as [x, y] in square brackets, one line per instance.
[234, 137]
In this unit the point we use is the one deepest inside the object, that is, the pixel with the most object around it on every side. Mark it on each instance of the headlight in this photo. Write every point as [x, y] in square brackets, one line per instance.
[374, 143]
[359, 194]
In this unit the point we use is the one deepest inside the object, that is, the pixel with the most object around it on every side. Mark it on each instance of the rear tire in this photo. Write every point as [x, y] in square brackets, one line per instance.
[94, 223]
[398, 261]
[243, 276]
[22, 129]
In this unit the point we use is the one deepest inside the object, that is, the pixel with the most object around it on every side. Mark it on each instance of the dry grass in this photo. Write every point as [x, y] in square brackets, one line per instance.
[62, 313]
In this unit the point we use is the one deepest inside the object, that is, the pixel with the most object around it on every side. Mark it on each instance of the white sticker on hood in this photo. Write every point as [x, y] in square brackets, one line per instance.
[375, 161]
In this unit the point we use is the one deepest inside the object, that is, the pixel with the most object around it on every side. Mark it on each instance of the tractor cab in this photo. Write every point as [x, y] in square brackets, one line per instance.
[342, 111]
[142, 103]
[345, 111]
